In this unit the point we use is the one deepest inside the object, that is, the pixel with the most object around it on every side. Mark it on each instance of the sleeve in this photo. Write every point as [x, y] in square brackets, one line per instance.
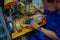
[45, 11]
[58, 12]
[57, 33]
[58, 28]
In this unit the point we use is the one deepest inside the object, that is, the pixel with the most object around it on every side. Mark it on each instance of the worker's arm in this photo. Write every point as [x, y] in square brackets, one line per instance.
[48, 33]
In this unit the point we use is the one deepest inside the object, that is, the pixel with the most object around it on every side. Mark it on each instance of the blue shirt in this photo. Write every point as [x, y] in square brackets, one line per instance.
[53, 21]
[53, 24]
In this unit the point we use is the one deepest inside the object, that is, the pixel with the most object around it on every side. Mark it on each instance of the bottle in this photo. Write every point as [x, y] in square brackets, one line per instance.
[27, 6]
[10, 25]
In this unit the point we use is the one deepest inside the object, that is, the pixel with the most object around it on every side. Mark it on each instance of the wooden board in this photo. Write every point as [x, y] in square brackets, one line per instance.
[24, 30]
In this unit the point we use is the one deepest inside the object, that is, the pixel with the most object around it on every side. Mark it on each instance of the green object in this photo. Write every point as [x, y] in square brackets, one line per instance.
[17, 9]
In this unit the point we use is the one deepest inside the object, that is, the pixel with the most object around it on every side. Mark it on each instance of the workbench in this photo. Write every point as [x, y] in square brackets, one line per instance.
[24, 29]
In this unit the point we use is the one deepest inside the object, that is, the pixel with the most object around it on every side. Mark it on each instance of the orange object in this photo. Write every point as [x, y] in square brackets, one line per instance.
[9, 4]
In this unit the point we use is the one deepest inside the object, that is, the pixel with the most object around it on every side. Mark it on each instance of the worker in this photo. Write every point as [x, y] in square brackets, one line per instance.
[52, 30]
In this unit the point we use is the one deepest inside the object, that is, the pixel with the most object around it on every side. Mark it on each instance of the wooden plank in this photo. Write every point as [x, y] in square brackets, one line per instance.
[24, 30]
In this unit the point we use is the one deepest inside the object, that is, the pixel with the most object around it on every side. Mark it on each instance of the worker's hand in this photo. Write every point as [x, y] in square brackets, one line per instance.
[34, 24]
